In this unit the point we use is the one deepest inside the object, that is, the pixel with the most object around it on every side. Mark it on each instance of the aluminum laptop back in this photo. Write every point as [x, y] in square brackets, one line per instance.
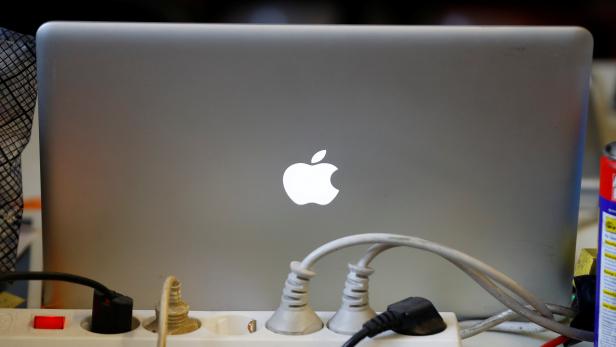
[164, 148]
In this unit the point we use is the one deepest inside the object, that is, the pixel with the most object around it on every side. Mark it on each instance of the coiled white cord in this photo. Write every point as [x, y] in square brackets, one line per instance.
[355, 293]
[295, 292]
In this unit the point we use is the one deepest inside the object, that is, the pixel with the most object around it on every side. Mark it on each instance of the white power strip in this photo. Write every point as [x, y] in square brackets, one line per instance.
[218, 329]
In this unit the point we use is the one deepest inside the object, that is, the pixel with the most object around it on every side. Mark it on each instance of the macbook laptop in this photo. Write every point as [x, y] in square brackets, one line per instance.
[220, 153]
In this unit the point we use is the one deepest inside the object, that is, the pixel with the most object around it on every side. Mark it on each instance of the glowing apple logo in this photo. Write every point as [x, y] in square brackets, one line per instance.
[307, 184]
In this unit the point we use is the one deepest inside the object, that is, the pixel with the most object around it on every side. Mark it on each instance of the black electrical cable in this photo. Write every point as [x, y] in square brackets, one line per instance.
[356, 338]
[55, 276]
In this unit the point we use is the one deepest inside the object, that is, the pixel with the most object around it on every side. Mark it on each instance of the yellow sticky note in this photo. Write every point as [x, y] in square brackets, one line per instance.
[586, 263]
[8, 300]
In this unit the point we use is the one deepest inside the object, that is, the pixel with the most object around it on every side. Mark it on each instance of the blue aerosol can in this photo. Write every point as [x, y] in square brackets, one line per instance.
[605, 309]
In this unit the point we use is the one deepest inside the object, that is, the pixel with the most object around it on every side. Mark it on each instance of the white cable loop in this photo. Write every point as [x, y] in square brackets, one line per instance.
[444, 251]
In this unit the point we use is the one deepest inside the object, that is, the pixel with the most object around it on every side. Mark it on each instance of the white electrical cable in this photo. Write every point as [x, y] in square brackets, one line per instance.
[482, 280]
[518, 327]
[473, 267]
[446, 252]
[355, 293]
[508, 301]
[163, 311]
[372, 252]
[355, 309]
[500, 322]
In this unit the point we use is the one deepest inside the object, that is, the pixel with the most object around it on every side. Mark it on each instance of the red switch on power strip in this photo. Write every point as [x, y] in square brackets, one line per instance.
[48, 322]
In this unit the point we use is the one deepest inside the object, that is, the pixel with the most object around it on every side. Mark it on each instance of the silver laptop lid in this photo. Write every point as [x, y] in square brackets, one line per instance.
[164, 148]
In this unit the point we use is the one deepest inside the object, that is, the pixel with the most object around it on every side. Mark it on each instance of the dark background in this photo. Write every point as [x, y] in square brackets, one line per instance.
[598, 16]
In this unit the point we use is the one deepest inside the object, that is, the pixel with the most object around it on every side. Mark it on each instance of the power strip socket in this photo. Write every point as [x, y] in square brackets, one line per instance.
[218, 329]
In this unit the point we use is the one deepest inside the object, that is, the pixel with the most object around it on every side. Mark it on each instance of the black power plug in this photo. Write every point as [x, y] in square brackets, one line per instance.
[416, 316]
[411, 316]
[112, 313]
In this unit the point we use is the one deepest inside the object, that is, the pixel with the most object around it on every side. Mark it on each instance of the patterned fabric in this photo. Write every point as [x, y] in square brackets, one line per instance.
[17, 102]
